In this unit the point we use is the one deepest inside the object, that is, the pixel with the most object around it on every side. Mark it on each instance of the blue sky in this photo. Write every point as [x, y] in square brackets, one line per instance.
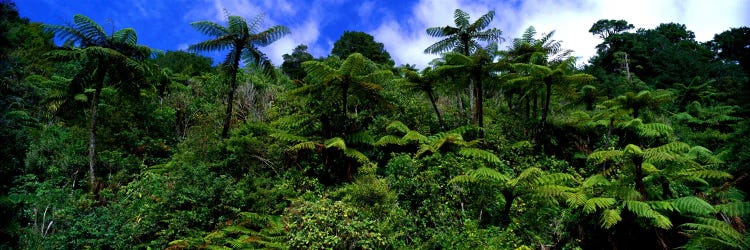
[399, 24]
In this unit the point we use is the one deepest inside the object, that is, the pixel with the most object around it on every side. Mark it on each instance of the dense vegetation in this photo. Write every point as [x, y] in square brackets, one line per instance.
[107, 143]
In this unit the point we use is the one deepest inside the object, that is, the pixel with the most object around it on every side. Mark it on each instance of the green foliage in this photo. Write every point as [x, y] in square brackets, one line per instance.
[359, 42]
[331, 224]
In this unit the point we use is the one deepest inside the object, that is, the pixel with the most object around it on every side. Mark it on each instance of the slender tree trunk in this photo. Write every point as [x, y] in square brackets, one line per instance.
[479, 92]
[344, 99]
[472, 101]
[100, 75]
[547, 97]
[639, 185]
[460, 105]
[535, 106]
[232, 89]
[434, 106]
[635, 112]
[505, 216]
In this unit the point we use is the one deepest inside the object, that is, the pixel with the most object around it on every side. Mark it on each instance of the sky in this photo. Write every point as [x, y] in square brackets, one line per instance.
[399, 24]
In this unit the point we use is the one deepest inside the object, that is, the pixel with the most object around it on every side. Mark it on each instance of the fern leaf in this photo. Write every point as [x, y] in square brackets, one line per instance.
[309, 145]
[595, 180]
[336, 142]
[485, 173]
[397, 126]
[661, 221]
[609, 218]
[463, 179]
[639, 208]
[388, 140]
[734, 209]
[355, 154]
[479, 154]
[691, 205]
[414, 136]
[595, 203]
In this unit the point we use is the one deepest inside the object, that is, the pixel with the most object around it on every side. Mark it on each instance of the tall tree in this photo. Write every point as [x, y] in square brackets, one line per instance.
[464, 36]
[363, 43]
[425, 83]
[292, 65]
[355, 76]
[111, 59]
[243, 40]
[607, 27]
[477, 67]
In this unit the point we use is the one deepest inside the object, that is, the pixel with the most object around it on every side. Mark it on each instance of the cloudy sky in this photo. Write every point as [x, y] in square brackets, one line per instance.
[399, 24]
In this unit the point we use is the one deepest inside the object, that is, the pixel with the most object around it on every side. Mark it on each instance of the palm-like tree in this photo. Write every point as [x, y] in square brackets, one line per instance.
[463, 37]
[531, 183]
[243, 40]
[479, 67]
[562, 74]
[115, 59]
[425, 83]
[356, 76]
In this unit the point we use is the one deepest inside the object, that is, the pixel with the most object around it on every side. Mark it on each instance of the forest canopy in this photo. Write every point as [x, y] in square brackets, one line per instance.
[500, 143]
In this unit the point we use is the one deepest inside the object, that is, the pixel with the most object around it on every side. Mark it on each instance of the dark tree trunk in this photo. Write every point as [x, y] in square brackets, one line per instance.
[232, 89]
[479, 93]
[434, 106]
[99, 78]
[505, 216]
[344, 99]
[535, 106]
[547, 97]
[639, 185]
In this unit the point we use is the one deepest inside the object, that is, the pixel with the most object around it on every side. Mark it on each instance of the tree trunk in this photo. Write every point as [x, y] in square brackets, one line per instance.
[479, 98]
[535, 106]
[344, 99]
[505, 216]
[434, 106]
[639, 185]
[547, 97]
[232, 89]
[92, 126]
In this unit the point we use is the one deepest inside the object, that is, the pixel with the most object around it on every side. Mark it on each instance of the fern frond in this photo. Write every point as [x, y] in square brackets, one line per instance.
[734, 208]
[388, 140]
[712, 233]
[355, 154]
[595, 180]
[485, 173]
[463, 179]
[639, 208]
[286, 137]
[397, 126]
[335, 142]
[691, 205]
[414, 136]
[309, 145]
[595, 203]
[479, 154]
[609, 218]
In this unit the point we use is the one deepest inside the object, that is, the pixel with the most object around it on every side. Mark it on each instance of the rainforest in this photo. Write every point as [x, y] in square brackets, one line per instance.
[499, 143]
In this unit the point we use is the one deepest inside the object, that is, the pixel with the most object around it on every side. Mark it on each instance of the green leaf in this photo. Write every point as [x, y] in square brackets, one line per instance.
[691, 205]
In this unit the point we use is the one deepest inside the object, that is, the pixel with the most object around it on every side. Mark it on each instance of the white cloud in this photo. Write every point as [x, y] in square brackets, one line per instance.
[571, 20]
[306, 33]
[365, 9]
